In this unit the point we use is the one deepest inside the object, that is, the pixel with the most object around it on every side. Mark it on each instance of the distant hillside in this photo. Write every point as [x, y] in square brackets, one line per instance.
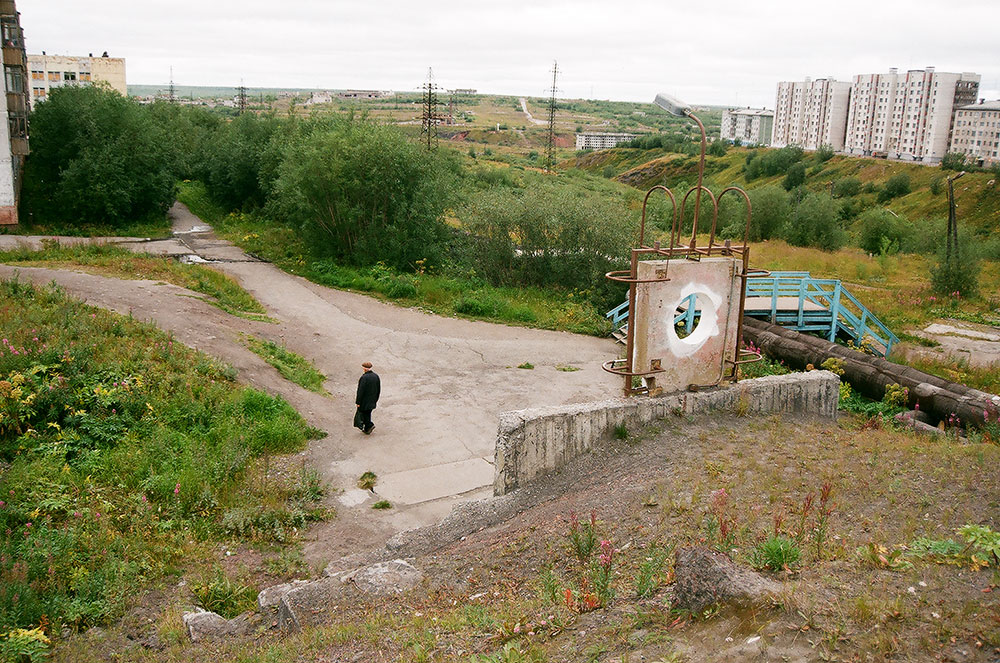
[977, 193]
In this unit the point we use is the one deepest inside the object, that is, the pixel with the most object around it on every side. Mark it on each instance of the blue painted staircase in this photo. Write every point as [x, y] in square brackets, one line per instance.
[795, 300]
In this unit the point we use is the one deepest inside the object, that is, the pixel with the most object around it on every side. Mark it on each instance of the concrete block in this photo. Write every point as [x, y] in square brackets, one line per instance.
[532, 443]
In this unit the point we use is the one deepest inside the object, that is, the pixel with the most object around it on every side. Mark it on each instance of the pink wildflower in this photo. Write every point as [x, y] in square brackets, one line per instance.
[177, 489]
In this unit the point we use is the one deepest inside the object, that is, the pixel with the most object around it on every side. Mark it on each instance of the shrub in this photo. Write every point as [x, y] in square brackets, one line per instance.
[824, 153]
[814, 222]
[956, 273]
[796, 176]
[897, 185]
[97, 158]
[776, 553]
[846, 187]
[881, 232]
[937, 186]
[953, 161]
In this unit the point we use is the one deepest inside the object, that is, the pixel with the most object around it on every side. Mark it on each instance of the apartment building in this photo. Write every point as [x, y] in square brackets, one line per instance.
[750, 126]
[595, 140]
[13, 132]
[977, 133]
[51, 71]
[811, 113]
[907, 116]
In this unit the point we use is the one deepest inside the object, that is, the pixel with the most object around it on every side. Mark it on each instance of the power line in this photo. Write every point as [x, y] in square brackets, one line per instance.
[551, 142]
[430, 117]
[241, 98]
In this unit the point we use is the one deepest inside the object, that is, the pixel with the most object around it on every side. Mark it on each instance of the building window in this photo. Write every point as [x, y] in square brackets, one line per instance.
[13, 36]
[55, 75]
[38, 91]
[69, 76]
[18, 125]
[37, 75]
[14, 77]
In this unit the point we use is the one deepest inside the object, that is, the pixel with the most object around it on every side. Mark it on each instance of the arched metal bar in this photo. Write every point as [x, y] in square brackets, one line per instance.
[746, 197]
[694, 224]
[673, 201]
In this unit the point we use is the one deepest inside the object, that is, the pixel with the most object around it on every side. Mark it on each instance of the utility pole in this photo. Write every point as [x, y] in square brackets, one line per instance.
[241, 98]
[430, 117]
[550, 145]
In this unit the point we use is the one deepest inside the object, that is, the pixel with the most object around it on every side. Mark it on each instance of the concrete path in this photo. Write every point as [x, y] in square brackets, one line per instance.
[444, 380]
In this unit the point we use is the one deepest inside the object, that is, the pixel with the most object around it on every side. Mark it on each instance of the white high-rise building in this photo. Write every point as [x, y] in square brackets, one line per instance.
[906, 116]
[977, 133]
[811, 113]
[13, 105]
[750, 126]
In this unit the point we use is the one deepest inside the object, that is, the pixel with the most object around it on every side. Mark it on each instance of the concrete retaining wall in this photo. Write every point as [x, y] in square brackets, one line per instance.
[532, 443]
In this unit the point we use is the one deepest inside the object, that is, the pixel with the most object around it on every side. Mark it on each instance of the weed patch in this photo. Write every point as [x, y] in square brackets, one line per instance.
[292, 367]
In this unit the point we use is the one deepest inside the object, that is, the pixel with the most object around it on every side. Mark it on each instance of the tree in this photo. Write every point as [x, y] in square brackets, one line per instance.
[97, 158]
[953, 161]
[796, 176]
[814, 223]
[364, 193]
[881, 231]
[824, 153]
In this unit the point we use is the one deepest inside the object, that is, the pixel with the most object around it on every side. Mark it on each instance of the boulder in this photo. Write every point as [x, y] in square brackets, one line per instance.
[705, 577]
[388, 578]
[270, 597]
[308, 603]
[202, 625]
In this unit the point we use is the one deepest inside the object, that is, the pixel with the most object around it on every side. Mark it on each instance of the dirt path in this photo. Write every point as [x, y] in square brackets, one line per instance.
[444, 380]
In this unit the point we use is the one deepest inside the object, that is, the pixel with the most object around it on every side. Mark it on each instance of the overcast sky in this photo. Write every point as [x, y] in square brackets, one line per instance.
[719, 52]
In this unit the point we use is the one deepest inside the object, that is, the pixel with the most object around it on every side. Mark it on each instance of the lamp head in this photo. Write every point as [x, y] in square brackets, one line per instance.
[672, 105]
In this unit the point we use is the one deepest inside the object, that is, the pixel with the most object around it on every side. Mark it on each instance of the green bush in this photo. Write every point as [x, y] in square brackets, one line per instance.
[96, 159]
[814, 222]
[364, 193]
[882, 232]
[956, 273]
[897, 185]
[824, 153]
[768, 163]
[846, 187]
[796, 176]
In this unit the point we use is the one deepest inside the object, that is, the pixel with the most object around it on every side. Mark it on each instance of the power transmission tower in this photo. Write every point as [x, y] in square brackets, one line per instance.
[451, 108]
[550, 145]
[430, 117]
[241, 98]
[170, 95]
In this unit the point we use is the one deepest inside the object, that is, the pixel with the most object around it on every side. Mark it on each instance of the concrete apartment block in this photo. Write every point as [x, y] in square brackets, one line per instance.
[593, 140]
[750, 126]
[51, 71]
[977, 133]
[14, 105]
[906, 116]
[811, 113]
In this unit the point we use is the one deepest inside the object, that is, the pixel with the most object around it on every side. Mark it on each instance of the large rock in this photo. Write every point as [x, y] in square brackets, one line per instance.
[705, 577]
[388, 578]
[202, 625]
[270, 597]
[309, 603]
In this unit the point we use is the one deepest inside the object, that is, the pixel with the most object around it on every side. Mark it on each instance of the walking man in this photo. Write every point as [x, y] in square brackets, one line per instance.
[369, 388]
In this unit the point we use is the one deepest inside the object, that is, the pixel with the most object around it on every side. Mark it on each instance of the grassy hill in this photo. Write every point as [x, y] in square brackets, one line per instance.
[977, 194]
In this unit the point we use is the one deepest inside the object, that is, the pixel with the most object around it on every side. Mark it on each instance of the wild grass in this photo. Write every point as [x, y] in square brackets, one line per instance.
[155, 226]
[121, 451]
[109, 260]
[291, 366]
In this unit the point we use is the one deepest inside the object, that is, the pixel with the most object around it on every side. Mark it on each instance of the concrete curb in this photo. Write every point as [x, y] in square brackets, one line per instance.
[536, 442]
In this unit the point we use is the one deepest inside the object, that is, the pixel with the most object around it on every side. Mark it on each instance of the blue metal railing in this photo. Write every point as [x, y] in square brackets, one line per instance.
[804, 303]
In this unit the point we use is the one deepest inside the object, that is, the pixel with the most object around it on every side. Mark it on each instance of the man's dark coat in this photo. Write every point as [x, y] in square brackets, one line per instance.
[369, 388]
